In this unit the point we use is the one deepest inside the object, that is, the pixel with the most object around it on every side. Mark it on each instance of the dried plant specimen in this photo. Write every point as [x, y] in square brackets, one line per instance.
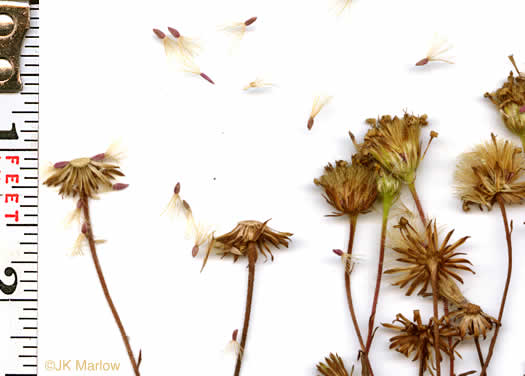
[472, 320]
[257, 83]
[490, 173]
[351, 189]
[416, 338]
[83, 179]
[248, 239]
[492, 170]
[510, 99]
[333, 366]
[319, 102]
[439, 47]
[183, 50]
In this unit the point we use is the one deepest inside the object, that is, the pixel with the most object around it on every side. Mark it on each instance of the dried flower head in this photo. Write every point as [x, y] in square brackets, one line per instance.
[394, 143]
[424, 254]
[510, 99]
[439, 46]
[333, 366]
[258, 83]
[472, 320]
[494, 168]
[236, 242]
[319, 102]
[388, 186]
[84, 177]
[350, 188]
[416, 338]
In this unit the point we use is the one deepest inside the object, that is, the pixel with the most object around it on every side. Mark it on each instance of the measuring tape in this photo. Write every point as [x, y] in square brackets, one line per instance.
[19, 98]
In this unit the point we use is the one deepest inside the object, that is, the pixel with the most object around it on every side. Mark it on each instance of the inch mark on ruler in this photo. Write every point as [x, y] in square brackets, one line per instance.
[19, 130]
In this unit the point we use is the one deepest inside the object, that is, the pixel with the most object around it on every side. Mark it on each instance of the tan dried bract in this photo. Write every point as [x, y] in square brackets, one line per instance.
[423, 254]
[333, 366]
[494, 168]
[350, 188]
[83, 177]
[472, 320]
[236, 242]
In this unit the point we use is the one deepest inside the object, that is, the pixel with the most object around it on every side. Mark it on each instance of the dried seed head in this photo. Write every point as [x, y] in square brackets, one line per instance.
[416, 338]
[394, 143]
[333, 366]
[160, 34]
[510, 99]
[236, 242]
[83, 177]
[423, 254]
[472, 320]
[350, 188]
[493, 168]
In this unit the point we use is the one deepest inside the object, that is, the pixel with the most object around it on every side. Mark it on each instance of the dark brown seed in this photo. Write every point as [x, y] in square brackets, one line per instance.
[177, 189]
[234, 334]
[84, 228]
[98, 157]
[159, 34]
[310, 123]
[207, 78]
[249, 21]
[422, 62]
[174, 32]
[120, 186]
[195, 250]
[338, 252]
[61, 164]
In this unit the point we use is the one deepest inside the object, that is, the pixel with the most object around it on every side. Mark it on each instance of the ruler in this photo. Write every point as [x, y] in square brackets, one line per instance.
[19, 123]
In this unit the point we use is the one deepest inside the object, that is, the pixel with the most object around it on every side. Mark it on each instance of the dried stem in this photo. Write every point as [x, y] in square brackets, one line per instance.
[387, 204]
[415, 196]
[348, 271]
[478, 348]
[445, 308]
[252, 257]
[435, 324]
[422, 366]
[507, 284]
[92, 247]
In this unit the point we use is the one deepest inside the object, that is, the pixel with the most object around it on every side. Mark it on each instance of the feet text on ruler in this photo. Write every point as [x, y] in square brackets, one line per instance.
[19, 167]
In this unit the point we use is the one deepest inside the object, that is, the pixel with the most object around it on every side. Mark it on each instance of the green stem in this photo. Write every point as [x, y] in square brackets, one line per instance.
[387, 204]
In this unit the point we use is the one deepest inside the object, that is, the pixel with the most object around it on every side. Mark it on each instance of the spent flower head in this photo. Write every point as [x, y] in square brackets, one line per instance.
[85, 177]
[494, 168]
[471, 320]
[416, 338]
[236, 242]
[394, 143]
[349, 187]
[424, 254]
[510, 99]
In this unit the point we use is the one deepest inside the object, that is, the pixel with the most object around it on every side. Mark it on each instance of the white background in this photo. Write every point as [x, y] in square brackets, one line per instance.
[249, 156]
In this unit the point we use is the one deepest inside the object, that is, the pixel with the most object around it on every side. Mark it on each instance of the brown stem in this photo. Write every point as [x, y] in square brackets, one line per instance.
[348, 267]
[252, 258]
[422, 365]
[445, 308]
[480, 354]
[435, 326]
[507, 284]
[386, 208]
[92, 247]
[415, 196]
